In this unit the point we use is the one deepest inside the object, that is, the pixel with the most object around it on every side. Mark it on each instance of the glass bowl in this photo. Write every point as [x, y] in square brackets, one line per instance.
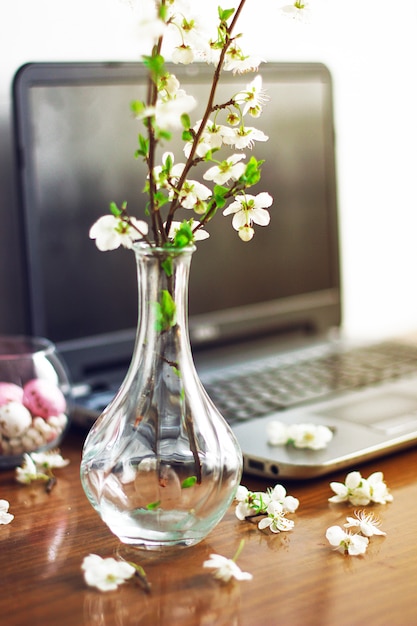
[34, 397]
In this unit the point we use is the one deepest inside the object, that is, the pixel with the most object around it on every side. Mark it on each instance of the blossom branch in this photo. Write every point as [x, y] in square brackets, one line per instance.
[208, 110]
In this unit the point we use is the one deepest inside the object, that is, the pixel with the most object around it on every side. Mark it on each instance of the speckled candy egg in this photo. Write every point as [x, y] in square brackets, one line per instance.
[15, 419]
[43, 398]
[9, 392]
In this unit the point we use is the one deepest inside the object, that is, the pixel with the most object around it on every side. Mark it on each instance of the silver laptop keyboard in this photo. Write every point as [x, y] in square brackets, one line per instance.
[280, 386]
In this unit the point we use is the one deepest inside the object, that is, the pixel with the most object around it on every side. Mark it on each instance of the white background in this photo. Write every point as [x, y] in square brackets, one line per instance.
[371, 49]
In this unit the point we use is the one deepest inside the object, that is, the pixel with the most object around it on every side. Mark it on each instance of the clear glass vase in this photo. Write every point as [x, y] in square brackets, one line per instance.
[160, 465]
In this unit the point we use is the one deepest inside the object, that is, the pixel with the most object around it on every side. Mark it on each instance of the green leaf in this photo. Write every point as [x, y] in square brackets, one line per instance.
[163, 12]
[167, 266]
[183, 236]
[144, 145]
[137, 107]
[219, 193]
[114, 209]
[187, 135]
[163, 134]
[165, 311]
[153, 505]
[189, 482]
[160, 198]
[209, 155]
[168, 163]
[185, 120]
[155, 65]
[252, 172]
[224, 14]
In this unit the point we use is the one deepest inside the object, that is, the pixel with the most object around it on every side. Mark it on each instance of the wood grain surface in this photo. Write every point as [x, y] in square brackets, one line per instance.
[297, 578]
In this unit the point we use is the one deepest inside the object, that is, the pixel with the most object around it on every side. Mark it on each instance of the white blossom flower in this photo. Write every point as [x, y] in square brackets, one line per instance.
[167, 176]
[193, 194]
[5, 516]
[149, 26]
[199, 235]
[345, 542]
[110, 232]
[49, 460]
[313, 436]
[244, 137]
[250, 503]
[279, 494]
[190, 25]
[253, 97]
[246, 233]
[367, 523]
[225, 569]
[28, 472]
[211, 139]
[171, 84]
[275, 519]
[183, 54]
[378, 489]
[277, 433]
[229, 169]
[237, 62]
[168, 111]
[243, 509]
[248, 209]
[355, 490]
[298, 10]
[105, 574]
[360, 491]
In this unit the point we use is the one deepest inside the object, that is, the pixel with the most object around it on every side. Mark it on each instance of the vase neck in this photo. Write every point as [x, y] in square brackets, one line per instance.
[163, 292]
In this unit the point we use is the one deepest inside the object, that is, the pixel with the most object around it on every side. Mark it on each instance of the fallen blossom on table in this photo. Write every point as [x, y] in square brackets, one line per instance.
[28, 471]
[106, 574]
[279, 494]
[346, 542]
[250, 503]
[361, 491]
[379, 491]
[367, 523]
[38, 466]
[275, 519]
[274, 504]
[49, 460]
[5, 516]
[225, 569]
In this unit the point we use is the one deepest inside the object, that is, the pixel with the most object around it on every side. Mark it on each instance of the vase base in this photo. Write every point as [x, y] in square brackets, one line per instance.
[157, 530]
[135, 546]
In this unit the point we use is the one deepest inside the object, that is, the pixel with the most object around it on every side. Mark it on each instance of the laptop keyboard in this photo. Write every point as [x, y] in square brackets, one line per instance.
[279, 386]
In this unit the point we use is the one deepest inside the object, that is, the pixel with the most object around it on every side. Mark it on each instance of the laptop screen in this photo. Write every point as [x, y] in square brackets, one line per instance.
[75, 140]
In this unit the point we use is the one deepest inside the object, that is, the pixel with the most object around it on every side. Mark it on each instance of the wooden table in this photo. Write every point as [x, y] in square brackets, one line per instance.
[297, 578]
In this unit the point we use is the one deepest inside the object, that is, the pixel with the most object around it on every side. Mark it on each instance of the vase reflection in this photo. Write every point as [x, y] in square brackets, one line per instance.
[195, 601]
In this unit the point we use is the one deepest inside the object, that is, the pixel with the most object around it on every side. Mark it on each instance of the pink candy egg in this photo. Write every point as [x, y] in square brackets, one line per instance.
[43, 398]
[9, 392]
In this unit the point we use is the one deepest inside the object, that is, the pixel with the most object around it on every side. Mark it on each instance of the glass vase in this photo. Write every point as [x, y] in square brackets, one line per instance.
[160, 465]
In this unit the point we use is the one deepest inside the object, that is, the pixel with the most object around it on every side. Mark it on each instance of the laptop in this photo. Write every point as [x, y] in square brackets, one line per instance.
[266, 338]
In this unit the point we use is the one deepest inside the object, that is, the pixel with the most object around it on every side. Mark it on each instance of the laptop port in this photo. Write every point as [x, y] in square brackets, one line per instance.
[259, 466]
